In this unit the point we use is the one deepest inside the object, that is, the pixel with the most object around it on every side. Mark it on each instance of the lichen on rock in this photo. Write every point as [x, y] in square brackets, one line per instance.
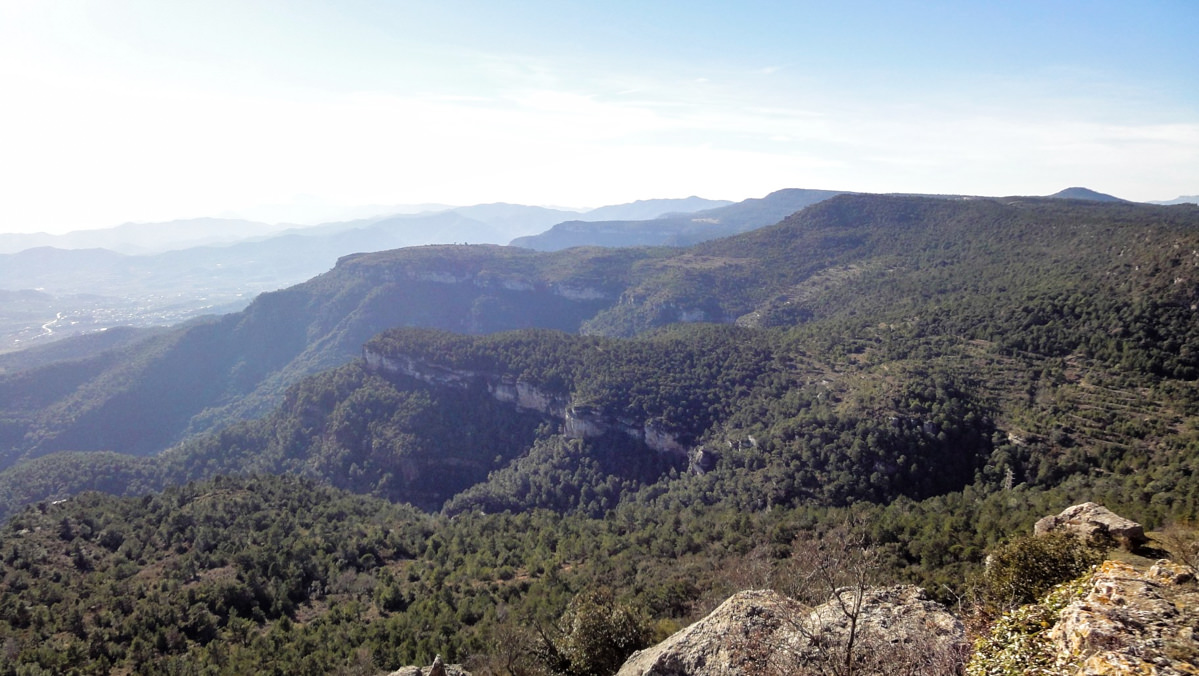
[1117, 620]
[1133, 621]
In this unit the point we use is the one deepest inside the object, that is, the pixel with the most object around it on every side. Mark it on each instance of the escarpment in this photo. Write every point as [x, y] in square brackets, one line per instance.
[483, 267]
[578, 420]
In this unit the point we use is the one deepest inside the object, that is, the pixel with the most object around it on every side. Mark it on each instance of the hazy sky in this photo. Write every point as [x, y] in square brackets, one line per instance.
[131, 110]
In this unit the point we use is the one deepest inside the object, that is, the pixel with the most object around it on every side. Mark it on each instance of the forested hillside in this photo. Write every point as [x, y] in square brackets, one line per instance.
[144, 397]
[938, 372]
[1049, 276]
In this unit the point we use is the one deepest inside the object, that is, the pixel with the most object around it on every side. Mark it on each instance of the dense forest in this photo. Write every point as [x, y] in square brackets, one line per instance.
[939, 373]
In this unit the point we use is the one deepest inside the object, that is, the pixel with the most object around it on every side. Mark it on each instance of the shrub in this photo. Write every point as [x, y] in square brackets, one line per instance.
[596, 635]
[1022, 570]
[1018, 644]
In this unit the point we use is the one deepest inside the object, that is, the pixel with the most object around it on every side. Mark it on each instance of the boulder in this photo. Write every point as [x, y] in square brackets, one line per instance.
[438, 668]
[1091, 521]
[716, 644]
[891, 618]
[897, 626]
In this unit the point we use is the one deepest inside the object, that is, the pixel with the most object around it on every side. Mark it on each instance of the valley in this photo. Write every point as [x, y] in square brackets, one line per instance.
[159, 274]
[450, 449]
[75, 315]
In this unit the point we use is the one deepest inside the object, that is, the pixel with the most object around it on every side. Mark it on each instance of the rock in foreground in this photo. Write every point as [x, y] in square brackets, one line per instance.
[763, 632]
[716, 644]
[1132, 622]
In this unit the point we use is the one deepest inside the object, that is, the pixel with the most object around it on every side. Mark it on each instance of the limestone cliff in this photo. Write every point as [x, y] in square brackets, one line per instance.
[578, 421]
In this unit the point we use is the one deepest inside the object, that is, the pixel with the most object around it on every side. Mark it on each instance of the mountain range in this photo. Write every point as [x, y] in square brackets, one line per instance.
[498, 224]
[1185, 199]
[674, 229]
[137, 274]
[893, 260]
[154, 274]
[429, 449]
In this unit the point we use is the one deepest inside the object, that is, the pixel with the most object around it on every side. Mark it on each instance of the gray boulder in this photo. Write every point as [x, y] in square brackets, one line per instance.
[1094, 522]
[719, 643]
[761, 631]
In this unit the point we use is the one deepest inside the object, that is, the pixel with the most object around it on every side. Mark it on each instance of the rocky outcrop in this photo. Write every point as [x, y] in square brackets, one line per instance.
[702, 460]
[438, 668]
[1131, 621]
[898, 625]
[753, 630]
[720, 643]
[577, 421]
[527, 396]
[1094, 522]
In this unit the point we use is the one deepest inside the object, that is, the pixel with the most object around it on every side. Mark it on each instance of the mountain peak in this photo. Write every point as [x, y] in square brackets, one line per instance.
[1084, 194]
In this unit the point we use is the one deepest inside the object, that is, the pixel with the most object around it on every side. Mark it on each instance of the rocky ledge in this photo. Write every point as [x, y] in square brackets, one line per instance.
[1131, 621]
[718, 643]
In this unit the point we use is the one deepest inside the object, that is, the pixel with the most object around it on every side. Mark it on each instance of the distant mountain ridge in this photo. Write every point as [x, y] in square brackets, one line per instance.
[1184, 199]
[146, 238]
[147, 288]
[645, 210]
[497, 222]
[676, 229]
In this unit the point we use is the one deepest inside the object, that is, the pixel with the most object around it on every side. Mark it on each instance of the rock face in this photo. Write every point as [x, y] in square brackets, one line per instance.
[1132, 622]
[898, 626]
[581, 422]
[702, 461]
[1090, 521]
[756, 630]
[717, 643]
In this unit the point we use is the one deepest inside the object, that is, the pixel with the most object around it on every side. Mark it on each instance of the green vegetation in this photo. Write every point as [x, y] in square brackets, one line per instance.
[594, 637]
[941, 373]
[284, 574]
[1018, 644]
[1021, 571]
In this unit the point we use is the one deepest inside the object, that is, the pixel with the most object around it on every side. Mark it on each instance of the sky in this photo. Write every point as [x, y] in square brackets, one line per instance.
[152, 110]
